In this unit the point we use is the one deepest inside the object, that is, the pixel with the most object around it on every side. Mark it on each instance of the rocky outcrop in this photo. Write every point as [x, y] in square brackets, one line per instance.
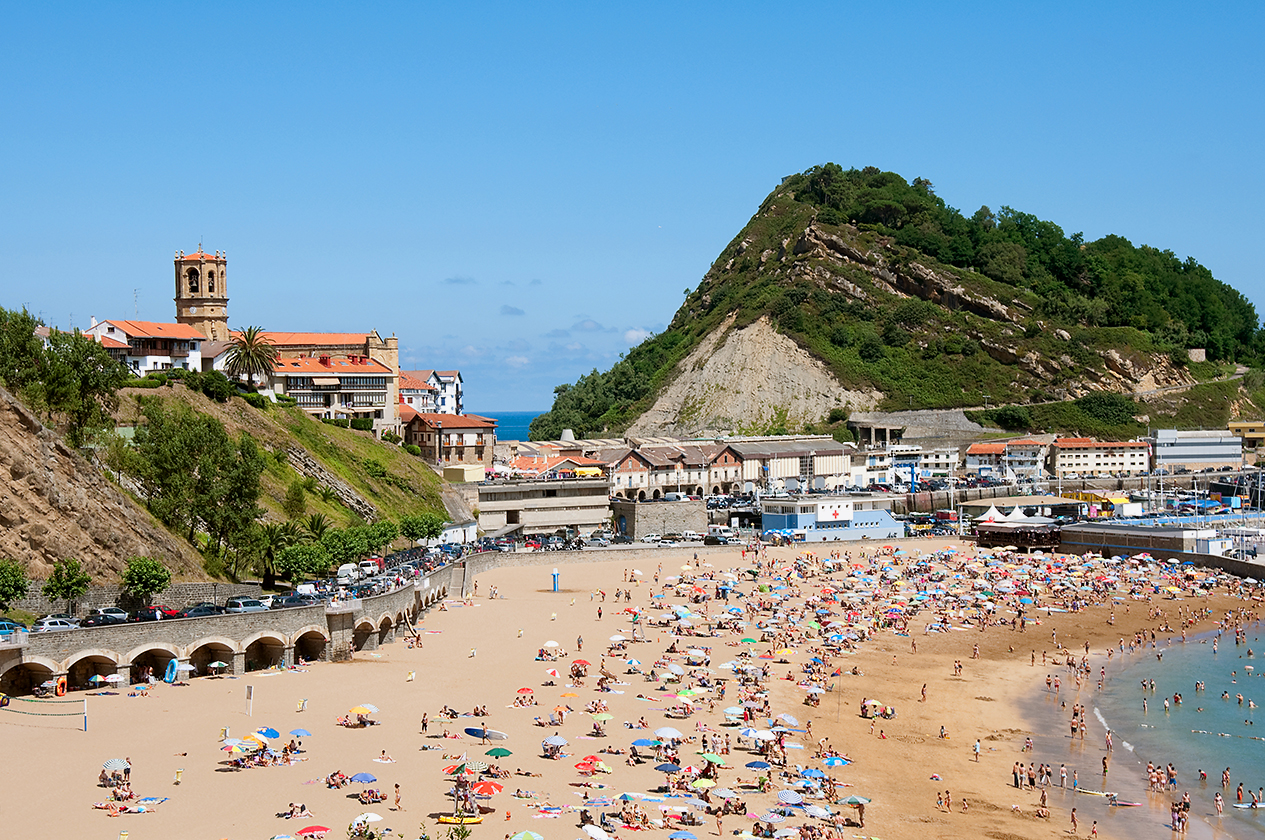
[55, 504]
[740, 380]
[305, 464]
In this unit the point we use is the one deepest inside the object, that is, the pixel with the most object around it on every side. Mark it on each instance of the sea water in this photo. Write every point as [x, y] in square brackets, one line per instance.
[511, 425]
[1202, 732]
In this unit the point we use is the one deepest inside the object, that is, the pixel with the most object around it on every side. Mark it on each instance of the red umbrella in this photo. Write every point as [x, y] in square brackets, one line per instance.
[488, 788]
[525, 691]
[311, 829]
[581, 662]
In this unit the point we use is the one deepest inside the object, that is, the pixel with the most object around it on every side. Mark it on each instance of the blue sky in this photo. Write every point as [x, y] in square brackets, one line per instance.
[523, 191]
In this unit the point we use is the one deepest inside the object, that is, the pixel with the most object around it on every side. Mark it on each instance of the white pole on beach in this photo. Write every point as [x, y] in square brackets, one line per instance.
[85, 713]
[250, 700]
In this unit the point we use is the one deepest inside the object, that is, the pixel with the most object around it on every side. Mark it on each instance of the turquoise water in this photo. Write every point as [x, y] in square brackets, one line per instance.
[510, 425]
[1202, 732]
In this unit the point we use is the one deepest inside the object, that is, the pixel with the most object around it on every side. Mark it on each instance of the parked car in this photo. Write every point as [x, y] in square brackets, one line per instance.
[114, 611]
[622, 539]
[63, 617]
[103, 620]
[46, 625]
[666, 543]
[9, 627]
[216, 607]
[243, 605]
[167, 611]
[287, 602]
[200, 611]
[651, 538]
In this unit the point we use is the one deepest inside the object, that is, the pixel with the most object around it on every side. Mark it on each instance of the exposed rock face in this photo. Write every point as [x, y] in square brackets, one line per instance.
[54, 504]
[739, 379]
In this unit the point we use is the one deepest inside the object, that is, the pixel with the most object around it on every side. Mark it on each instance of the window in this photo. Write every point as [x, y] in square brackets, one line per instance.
[192, 276]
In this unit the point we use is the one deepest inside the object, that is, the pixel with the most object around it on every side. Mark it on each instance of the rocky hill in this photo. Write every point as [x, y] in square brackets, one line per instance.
[858, 290]
[54, 504]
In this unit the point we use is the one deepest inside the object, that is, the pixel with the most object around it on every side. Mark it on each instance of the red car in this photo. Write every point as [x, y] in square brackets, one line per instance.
[167, 611]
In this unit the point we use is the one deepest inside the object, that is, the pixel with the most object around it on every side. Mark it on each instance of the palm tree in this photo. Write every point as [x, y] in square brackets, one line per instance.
[277, 537]
[252, 354]
[315, 527]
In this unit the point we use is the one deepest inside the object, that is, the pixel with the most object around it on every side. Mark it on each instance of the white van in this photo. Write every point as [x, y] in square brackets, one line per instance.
[727, 531]
[368, 568]
[348, 573]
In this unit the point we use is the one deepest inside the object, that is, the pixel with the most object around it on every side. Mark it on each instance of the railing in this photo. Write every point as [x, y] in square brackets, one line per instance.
[15, 639]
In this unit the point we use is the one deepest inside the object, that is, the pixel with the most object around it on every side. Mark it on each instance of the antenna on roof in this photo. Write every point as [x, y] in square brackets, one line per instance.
[135, 306]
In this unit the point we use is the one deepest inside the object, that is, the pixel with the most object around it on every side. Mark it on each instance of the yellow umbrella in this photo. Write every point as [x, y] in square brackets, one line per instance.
[359, 710]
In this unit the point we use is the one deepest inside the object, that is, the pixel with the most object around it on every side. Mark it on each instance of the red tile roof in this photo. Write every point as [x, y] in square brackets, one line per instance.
[151, 329]
[538, 464]
[338, 365]
[304, 339]
[1024, 443]
[986, 449]
[112, 343]
[199, 255]
[1090, 443]
[409, 382]
[407, 413]
[455, 421]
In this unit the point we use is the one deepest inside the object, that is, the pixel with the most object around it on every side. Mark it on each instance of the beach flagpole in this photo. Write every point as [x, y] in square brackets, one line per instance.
[85, 713]
[250, 700]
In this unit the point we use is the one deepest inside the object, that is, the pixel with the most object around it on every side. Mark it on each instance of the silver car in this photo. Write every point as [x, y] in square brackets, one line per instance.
[46, 625]
[244, 605]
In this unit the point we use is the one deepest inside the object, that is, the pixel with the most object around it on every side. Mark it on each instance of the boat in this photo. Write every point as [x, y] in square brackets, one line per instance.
[464, 819]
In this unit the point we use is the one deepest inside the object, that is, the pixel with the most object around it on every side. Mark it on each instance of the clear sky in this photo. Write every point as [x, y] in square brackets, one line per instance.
[524, 190]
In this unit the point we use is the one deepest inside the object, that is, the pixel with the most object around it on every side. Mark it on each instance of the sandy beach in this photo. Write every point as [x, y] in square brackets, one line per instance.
[482, 653]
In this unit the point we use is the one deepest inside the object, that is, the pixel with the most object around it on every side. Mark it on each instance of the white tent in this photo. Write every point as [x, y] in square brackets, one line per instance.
[990, 515]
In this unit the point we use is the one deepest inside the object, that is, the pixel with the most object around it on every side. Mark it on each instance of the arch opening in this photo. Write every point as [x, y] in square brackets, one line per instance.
[81, 671]
[265, 652]
[21, 679]
[311, 647]
[151, 662]
[192, 277]
[203, 655]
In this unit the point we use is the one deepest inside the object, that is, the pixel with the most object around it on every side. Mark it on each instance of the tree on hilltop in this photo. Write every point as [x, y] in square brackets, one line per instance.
[252, 354]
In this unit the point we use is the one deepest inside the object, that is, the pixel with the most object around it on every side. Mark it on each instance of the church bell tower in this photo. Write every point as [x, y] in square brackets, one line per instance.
[202, 292]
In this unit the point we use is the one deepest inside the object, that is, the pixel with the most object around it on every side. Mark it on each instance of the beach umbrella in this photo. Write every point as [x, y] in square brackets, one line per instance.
[96, 678]
[676, 669]
[555, 741]
[524, 690]
[618, 638]
[527, 835]
[835, 761]
[583, 662]
[813, 773]
[790, 797]
[772, 817]
[367, 817]
[364, 778]
[702, 783]
[636, 663]
[713, 758]
[488, 788]
[311, 829]
[114, 678]
[668, 768]
[646, 742]
[786, 832]
[602, 716]
[186, 667]
[553, 672]
[856, 800]
[758, 765]
[569, 694]
[281, 837]
[476, 766]
[681, 835]
[669, 732]
[596, 832]
[268, 732]
[116, 764]
[724, 793]
[300, 733]
[551, 644]
[361, 710]
[816, 811]
[455, 769]
[789, 719]
[498, 752]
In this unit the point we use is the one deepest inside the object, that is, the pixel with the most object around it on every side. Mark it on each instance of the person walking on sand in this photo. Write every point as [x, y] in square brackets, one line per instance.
[398, 806]
[1073, 820]
[579, 643]
[976, 748]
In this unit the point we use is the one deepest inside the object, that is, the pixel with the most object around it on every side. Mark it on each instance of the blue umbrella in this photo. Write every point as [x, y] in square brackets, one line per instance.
[668, 768]
[758, 765]
[268, 732]
[364, 778]
[300, 733]
[836, 761]
[646, 742]
[813, 773]
[681, 835]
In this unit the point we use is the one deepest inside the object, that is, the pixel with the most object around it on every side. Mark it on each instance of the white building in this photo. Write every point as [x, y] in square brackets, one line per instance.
[338, 387]
[448, 396]
[1196, 450]
[145, 346]
[1087, 457]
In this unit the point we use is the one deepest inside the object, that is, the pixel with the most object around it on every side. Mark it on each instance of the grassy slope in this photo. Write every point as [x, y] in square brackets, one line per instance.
[410, 487]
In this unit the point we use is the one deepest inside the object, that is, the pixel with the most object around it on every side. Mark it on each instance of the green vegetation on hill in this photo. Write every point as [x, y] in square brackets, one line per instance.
[895, 290]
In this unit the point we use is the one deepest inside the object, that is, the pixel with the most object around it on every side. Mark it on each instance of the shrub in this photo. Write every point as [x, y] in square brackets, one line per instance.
[295, 504]
[286, 399]
[258, 401]
[391, 437]
[413, 449]
[340, 422]
[1013, 418]
[217, 386]
[362, 424]
[375, 468]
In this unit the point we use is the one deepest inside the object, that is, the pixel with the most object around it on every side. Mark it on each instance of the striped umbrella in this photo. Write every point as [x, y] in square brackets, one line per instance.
[116, 764]
[790, 797]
